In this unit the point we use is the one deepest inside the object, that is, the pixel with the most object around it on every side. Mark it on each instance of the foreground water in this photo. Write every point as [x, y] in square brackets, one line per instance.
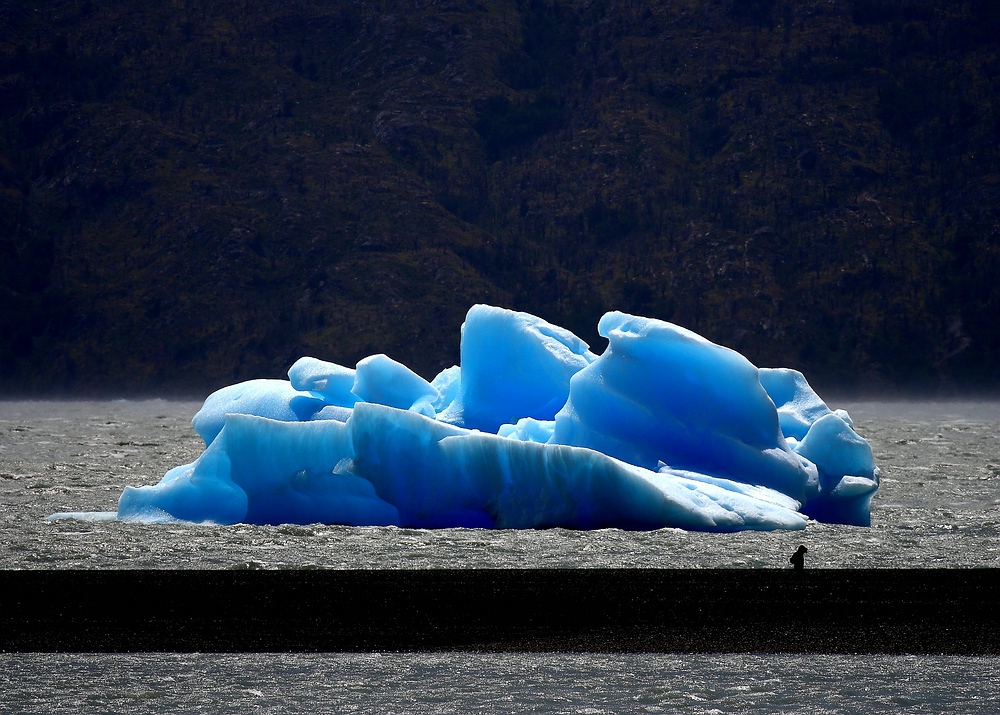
[496, 683]
[939, 504]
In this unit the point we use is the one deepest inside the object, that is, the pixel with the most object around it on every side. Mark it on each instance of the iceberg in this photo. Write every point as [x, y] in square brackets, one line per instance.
[662, 393]
[664, 429]
[514, 365]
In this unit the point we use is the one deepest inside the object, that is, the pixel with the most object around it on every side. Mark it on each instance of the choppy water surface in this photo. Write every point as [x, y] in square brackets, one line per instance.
[939, 504]
[495, 683]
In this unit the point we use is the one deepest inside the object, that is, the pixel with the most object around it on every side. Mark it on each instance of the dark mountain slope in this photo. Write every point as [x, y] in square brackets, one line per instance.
[194, 193]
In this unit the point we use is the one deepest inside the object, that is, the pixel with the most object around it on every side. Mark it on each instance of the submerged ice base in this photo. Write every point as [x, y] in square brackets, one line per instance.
[532, 430]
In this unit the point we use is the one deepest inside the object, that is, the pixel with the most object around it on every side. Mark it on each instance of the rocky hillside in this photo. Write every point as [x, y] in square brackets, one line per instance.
[193, 193]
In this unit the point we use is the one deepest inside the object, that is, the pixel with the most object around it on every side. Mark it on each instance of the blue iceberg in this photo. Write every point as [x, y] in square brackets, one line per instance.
[532, 430]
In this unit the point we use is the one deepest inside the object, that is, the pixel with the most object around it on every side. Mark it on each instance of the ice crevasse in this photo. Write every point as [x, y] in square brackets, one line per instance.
[532, 430]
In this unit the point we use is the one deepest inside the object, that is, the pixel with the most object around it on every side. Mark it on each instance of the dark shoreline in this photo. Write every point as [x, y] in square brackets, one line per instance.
[936, 611]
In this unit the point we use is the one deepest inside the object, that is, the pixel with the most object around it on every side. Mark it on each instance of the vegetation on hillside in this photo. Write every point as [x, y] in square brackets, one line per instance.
[193, 193]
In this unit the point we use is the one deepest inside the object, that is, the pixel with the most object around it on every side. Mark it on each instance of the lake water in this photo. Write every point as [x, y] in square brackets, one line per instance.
[496, 683]
[939, 505]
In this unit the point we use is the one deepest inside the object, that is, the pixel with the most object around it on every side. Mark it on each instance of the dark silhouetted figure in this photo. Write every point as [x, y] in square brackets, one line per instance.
[798, 559]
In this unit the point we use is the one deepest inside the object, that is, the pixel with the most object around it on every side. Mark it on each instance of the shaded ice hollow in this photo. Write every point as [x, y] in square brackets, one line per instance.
[532, 430]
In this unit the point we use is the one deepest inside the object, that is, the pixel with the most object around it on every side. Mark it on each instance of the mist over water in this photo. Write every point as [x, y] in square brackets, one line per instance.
[939, 504]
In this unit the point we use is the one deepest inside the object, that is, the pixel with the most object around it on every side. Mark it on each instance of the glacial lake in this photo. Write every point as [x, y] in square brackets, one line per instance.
[938, 506]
